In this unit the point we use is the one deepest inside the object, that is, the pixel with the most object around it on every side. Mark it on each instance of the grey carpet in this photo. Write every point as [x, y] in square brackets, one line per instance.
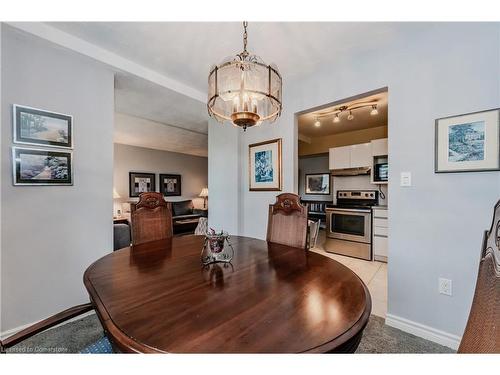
[74, 336]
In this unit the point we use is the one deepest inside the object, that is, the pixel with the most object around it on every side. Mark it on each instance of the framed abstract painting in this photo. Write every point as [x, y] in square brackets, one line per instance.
[170, 184]
[140, 182]
[468, 142]
[265, 166]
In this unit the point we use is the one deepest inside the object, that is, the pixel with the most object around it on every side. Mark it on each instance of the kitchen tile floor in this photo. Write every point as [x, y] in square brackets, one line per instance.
[373, 274]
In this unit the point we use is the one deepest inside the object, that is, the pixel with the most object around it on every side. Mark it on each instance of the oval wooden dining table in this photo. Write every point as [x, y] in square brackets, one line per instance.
[158, 298]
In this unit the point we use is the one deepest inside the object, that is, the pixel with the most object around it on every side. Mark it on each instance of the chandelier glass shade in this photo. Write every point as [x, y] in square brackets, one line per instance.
[244, 90]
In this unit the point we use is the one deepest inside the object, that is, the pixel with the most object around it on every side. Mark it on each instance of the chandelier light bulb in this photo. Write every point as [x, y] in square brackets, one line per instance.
[351, 116]
[317, 123]
[336, 118]
[374, 110]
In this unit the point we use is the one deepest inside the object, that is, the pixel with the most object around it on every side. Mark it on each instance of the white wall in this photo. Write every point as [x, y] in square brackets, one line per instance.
[51, 234]
[193, 170]
[223, 177]
[435, 226]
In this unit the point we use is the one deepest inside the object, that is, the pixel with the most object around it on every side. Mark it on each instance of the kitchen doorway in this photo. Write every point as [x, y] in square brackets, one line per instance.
[343, 164]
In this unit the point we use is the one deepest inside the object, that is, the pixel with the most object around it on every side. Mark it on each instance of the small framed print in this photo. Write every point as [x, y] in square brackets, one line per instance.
[42, 128]
[264, 165]
[318, 183]
[170, 184]
[468, 142]
[140, 182]
[41, 167]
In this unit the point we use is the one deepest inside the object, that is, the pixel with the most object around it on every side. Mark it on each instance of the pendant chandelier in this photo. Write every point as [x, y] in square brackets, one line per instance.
[244, 90]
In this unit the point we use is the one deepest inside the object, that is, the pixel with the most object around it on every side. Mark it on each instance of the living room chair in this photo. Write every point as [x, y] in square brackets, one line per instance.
[202, 227]
[151, 219]
[482, 333]
[287, 221]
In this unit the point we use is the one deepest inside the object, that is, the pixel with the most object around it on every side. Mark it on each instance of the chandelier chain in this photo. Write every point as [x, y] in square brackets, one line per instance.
[245, 35]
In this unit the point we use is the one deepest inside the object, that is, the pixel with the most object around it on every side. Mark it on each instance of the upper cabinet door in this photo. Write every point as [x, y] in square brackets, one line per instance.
[340, 157]
[380, 147]
[361, 155]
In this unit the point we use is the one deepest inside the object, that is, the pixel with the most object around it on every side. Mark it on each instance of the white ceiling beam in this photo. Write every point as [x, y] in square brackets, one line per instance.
[118, 62]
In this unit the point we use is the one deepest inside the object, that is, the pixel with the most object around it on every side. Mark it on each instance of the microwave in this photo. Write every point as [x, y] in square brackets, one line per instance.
[381, 172]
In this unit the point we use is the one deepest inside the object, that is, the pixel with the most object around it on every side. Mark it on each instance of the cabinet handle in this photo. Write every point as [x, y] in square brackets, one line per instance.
[380, 235]
[380, 217]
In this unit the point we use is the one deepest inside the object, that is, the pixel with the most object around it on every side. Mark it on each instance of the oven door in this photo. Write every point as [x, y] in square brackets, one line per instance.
[350, 224]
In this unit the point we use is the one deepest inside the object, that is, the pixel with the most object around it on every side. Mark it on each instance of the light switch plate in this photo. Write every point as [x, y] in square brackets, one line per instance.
[405, 179]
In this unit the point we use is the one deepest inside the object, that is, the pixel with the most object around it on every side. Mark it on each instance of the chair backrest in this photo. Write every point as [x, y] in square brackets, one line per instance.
[202, 227]
[151, 219]
[287, 221]
[482, 333]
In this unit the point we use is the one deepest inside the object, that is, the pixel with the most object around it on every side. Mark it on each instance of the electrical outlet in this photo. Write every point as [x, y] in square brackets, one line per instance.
[445, 286]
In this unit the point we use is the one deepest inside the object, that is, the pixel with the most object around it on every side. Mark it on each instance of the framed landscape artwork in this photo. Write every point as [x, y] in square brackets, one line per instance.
[468, 142]
[42, 128]
[41, 167]
[141, 183]
[170, 184]
[318, 183]
[265, 165]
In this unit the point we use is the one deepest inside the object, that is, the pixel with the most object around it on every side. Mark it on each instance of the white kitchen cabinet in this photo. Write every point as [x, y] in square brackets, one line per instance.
[361, 155]
[340, 157]
[354, 156]
[380, 234]
[380, 147]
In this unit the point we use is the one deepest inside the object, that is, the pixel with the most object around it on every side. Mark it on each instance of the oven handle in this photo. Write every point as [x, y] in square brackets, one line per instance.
[348, 210]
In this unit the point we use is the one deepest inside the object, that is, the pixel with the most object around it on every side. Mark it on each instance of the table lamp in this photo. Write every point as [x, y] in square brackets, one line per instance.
[204, 195]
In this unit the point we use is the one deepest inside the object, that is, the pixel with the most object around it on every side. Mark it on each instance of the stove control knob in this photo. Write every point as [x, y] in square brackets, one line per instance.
[371, 195]
[366, 194]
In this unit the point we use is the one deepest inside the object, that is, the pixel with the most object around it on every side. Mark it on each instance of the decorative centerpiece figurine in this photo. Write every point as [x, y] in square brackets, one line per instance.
[216, 248]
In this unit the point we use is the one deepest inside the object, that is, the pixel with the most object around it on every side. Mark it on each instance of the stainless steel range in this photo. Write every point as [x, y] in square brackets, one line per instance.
[349, 223]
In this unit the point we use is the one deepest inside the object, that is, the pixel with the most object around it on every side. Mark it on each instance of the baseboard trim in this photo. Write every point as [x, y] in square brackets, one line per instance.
[13, 331]
[423, 331]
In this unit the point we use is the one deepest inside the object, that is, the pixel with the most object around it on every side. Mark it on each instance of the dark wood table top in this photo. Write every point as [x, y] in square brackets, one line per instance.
[157, 297]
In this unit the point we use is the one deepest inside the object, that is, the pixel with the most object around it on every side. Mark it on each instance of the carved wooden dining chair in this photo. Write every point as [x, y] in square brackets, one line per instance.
[151, 219]
[482, 333]
[287, 221]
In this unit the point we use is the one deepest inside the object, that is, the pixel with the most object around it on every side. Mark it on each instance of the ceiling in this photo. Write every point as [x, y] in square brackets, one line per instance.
[170, 61]
[362, 118]
[141, 98]
[186, 50]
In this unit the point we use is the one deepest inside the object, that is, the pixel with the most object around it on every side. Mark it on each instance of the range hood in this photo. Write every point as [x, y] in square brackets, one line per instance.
[358, 171]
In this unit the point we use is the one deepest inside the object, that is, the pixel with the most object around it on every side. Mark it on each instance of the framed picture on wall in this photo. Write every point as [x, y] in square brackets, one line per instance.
[41, 167]
[265, 166]
[468, 142]
[43, 128]
[317, 183]
[140, 182]
[170, 184]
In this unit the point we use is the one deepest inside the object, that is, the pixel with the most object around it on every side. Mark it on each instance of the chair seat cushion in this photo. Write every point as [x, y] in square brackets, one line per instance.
[101, 346]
